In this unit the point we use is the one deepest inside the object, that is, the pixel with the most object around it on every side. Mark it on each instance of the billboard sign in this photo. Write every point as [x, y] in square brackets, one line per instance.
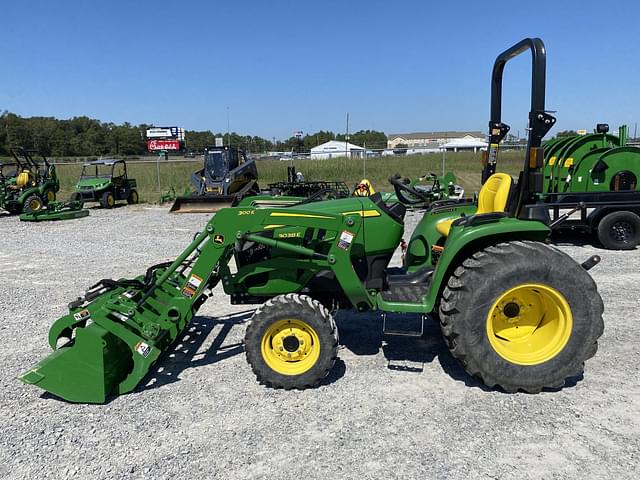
[154, 145]
[166, 132]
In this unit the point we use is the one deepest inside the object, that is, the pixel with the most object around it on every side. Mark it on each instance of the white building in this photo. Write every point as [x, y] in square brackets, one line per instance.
[466, 143]
[429, 139]
[336, 148]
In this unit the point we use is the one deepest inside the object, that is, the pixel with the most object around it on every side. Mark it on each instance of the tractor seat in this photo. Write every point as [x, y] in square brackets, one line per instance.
[22, 179]
[492, 198]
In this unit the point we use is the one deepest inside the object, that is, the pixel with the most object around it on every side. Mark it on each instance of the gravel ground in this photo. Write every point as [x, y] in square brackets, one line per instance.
[203, 415]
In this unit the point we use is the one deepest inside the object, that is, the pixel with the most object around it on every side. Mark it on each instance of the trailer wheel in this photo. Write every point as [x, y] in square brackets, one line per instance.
[133, 197]
[291, 342]
[33, 203]
[619, 231]
[522, 316]
[107, 200]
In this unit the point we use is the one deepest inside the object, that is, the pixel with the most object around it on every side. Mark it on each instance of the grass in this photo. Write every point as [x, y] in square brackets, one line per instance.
[177, 174]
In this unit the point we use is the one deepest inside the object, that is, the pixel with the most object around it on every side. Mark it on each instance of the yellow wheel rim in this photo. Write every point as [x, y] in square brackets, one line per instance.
[529, 324]
[134, 197]
[110, 200]
[35, 205]
[51, 196]
[290, 347]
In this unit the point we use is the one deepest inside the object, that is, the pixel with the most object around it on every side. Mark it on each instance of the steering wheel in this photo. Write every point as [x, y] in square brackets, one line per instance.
[402, 186]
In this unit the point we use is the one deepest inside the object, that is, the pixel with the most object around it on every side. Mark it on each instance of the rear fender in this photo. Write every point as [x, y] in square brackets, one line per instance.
[463, 241]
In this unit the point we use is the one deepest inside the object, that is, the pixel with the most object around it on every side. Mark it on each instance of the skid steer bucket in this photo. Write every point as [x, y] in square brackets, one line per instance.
[202, 203]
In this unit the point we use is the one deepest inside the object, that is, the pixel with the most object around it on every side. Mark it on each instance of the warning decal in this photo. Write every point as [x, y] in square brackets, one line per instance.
[344, 242]
[143, 349]
[81, 315]
[194, 281]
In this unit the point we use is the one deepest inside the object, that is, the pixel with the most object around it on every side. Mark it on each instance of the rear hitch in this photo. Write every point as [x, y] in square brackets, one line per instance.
[591, 262]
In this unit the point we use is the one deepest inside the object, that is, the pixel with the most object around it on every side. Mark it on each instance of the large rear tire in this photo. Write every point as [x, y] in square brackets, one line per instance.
[291, 342]
[522, 316]
[49, 195]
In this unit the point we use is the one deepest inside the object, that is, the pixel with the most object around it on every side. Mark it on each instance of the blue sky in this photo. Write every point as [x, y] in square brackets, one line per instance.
[281, 66]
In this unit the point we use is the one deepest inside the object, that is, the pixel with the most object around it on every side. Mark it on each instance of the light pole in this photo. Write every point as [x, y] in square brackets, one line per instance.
[228, 131]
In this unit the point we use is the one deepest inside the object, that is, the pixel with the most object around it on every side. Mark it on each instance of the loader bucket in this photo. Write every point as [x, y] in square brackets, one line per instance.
[87, 369]
[202, 203]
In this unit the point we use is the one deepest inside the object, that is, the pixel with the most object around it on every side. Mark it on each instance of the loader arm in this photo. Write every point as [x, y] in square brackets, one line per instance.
[119, 329]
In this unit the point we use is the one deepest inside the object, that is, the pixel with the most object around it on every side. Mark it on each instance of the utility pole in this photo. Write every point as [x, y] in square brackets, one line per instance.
[346, 138]
[228, 131]
[364, 161]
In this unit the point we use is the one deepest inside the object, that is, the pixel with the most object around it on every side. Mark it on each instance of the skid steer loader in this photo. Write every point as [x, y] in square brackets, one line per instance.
[514, 311]
[226, 176]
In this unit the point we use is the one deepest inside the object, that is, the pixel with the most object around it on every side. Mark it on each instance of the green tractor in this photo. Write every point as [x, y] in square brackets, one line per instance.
[423, 191]
[105, 181]
[26, 184]
[515, 312]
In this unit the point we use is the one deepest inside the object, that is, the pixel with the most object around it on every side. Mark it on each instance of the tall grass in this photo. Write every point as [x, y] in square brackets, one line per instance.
[177, 174]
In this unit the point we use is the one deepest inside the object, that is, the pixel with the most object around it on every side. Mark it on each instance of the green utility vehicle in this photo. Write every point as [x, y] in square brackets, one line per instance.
[516, 312]
[105, 181]
[26, 184]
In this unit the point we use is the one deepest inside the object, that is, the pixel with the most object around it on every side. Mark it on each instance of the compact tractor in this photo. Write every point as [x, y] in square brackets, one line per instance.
[514, 311]
[27, 185]
[105, 181]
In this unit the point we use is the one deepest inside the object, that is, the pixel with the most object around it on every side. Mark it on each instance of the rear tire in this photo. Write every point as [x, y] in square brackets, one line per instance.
[521, 315]
[291, 342]
[49, 195]
[619, 231]
[33, 203]
[133, 197]
[107, 200]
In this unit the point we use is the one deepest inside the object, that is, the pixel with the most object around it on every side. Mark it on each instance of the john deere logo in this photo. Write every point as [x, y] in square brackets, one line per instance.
[218, 239]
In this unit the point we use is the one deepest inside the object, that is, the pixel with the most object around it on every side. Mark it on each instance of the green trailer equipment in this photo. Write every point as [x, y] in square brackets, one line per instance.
[26, 184]
[516, 312]
[105, 181]
[54, 211]
[592, 180]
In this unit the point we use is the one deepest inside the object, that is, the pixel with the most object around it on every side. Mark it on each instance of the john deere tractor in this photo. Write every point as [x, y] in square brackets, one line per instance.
[516, 312]
[26, 184]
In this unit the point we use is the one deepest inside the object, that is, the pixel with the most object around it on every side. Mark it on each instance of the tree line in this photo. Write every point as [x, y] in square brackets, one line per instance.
[85, 137]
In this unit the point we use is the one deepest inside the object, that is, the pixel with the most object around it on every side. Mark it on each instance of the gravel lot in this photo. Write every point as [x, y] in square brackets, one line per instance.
[204, 415]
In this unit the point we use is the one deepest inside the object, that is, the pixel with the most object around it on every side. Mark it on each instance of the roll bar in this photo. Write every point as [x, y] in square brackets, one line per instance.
[540, 122]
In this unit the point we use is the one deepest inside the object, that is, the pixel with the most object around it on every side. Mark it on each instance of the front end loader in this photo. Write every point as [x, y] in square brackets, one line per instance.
[516, 312]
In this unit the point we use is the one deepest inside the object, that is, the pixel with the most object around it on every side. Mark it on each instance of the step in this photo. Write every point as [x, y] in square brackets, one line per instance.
[406, 325]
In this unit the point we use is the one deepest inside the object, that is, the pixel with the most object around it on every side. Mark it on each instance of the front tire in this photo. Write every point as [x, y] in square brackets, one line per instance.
[522, 316]
[619, 231]
[291, 342]
[107, 200]
[32, 204]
